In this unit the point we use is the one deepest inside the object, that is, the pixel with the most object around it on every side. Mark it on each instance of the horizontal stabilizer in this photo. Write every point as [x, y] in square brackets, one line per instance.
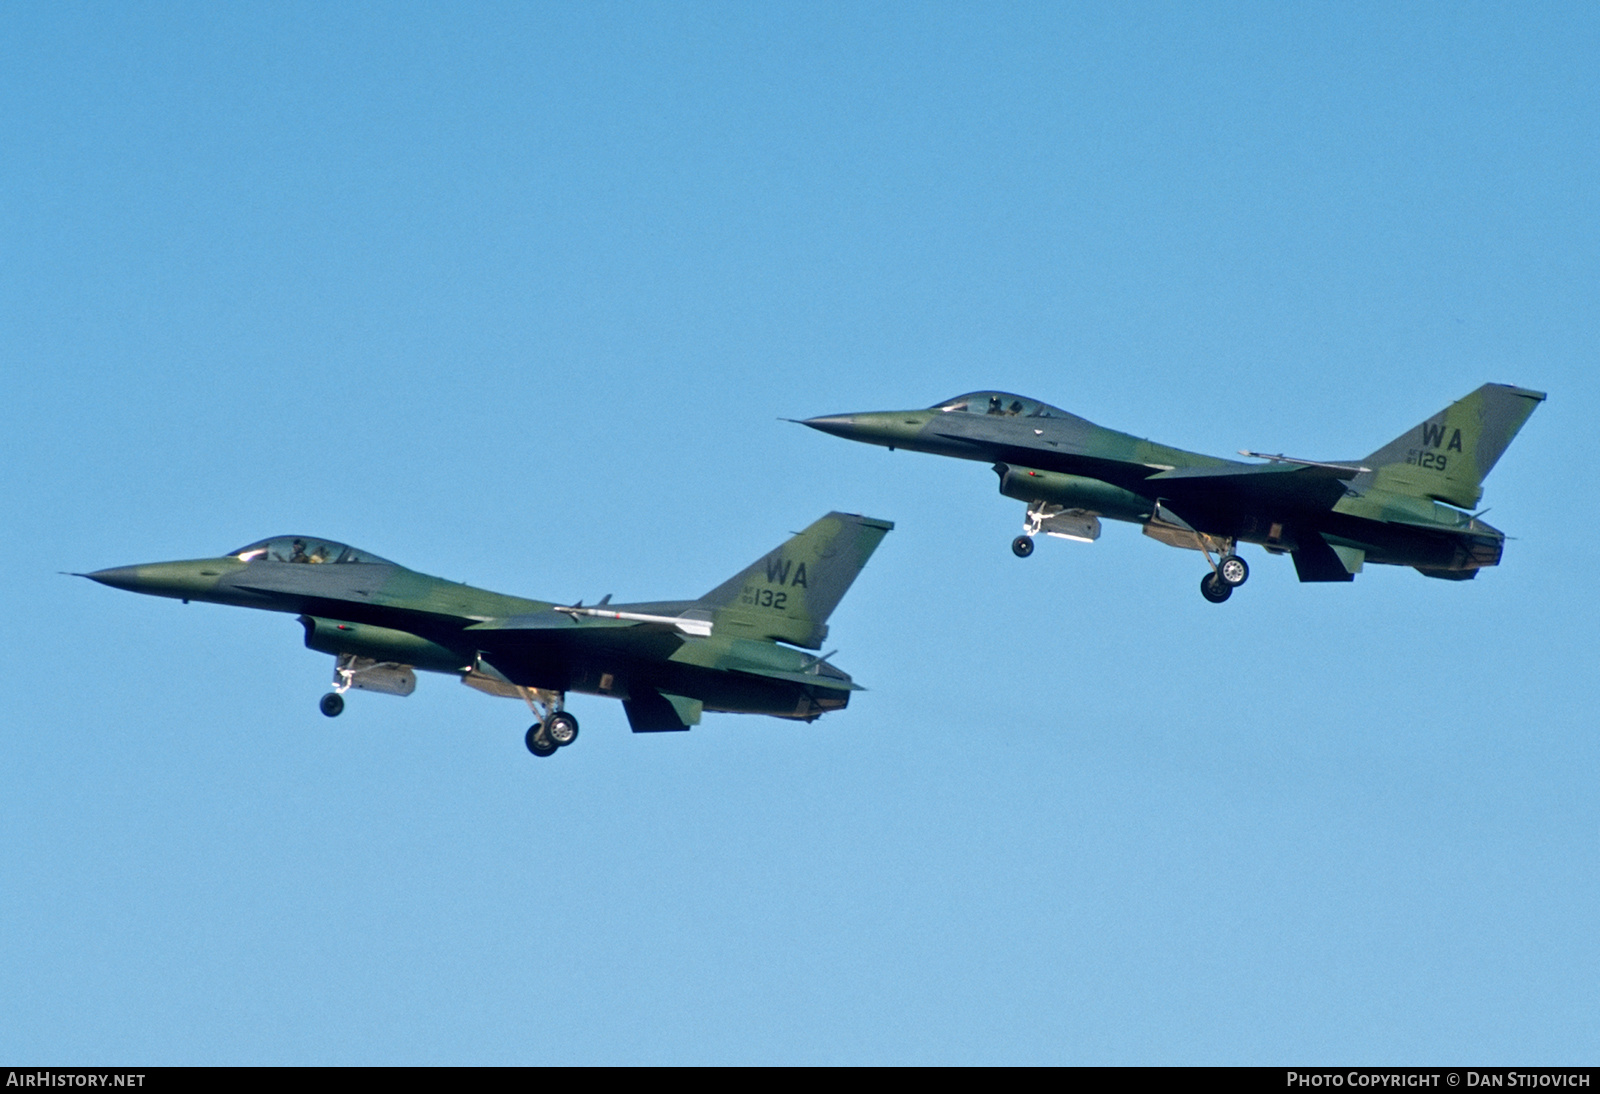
[809, 678]
[1446, 575]
[651, 711]
[1316, 560]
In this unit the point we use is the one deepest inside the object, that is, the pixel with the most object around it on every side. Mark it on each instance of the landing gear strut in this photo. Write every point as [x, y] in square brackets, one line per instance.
[555, 727]
[368, 674]
[345, 668]
[1215, 589]
[538, 743]
[1228, 572]
[1050, 519]
[562, 728]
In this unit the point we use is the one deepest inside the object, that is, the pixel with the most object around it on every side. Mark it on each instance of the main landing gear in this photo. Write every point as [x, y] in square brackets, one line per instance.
[555, 727]
[538, 741]
[1227, 574]
[1022, 546]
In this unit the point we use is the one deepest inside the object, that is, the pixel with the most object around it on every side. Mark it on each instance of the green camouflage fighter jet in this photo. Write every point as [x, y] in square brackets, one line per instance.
[731, 650]
[1401, 506]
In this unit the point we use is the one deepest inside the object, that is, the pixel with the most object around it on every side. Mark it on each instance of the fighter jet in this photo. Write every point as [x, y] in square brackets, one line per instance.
[1404, 505]
[731, 650]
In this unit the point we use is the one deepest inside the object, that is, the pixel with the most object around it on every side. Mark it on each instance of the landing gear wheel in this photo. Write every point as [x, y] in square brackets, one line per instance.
[1232, 570]
[332, 704]
[538, 743]
[562, 729]
[1215, 589]
[1022, 546]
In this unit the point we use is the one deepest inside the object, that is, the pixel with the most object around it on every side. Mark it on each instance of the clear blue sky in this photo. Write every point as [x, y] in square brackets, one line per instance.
[516, 294]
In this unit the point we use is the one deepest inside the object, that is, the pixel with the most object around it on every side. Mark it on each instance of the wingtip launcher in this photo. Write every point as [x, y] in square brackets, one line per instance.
[699, 628]
[1279, 457]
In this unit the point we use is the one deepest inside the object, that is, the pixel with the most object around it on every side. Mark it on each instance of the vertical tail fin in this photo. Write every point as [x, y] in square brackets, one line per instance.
[788, 594]
[1448, 456]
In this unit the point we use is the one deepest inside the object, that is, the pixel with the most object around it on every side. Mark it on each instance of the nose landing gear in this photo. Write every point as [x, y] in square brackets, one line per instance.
[1050, 519]
[365, 674]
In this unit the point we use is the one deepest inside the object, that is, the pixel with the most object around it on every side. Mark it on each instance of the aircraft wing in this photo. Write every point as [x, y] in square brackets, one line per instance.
[1279, 485]
[545, 621]
[558, 634]
[561, 633]
[1248, 486]
[564, 619]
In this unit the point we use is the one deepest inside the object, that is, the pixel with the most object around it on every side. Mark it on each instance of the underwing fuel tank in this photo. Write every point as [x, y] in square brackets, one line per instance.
[1071, 492]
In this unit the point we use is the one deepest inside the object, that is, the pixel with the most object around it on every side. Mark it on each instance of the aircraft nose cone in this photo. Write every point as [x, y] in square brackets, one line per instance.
[177, 579]
[840, 425]
[891, 428]
[118, 577]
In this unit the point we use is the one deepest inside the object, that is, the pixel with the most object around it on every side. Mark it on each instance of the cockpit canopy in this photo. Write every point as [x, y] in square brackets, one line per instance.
[1000, 403]
[302, 549]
